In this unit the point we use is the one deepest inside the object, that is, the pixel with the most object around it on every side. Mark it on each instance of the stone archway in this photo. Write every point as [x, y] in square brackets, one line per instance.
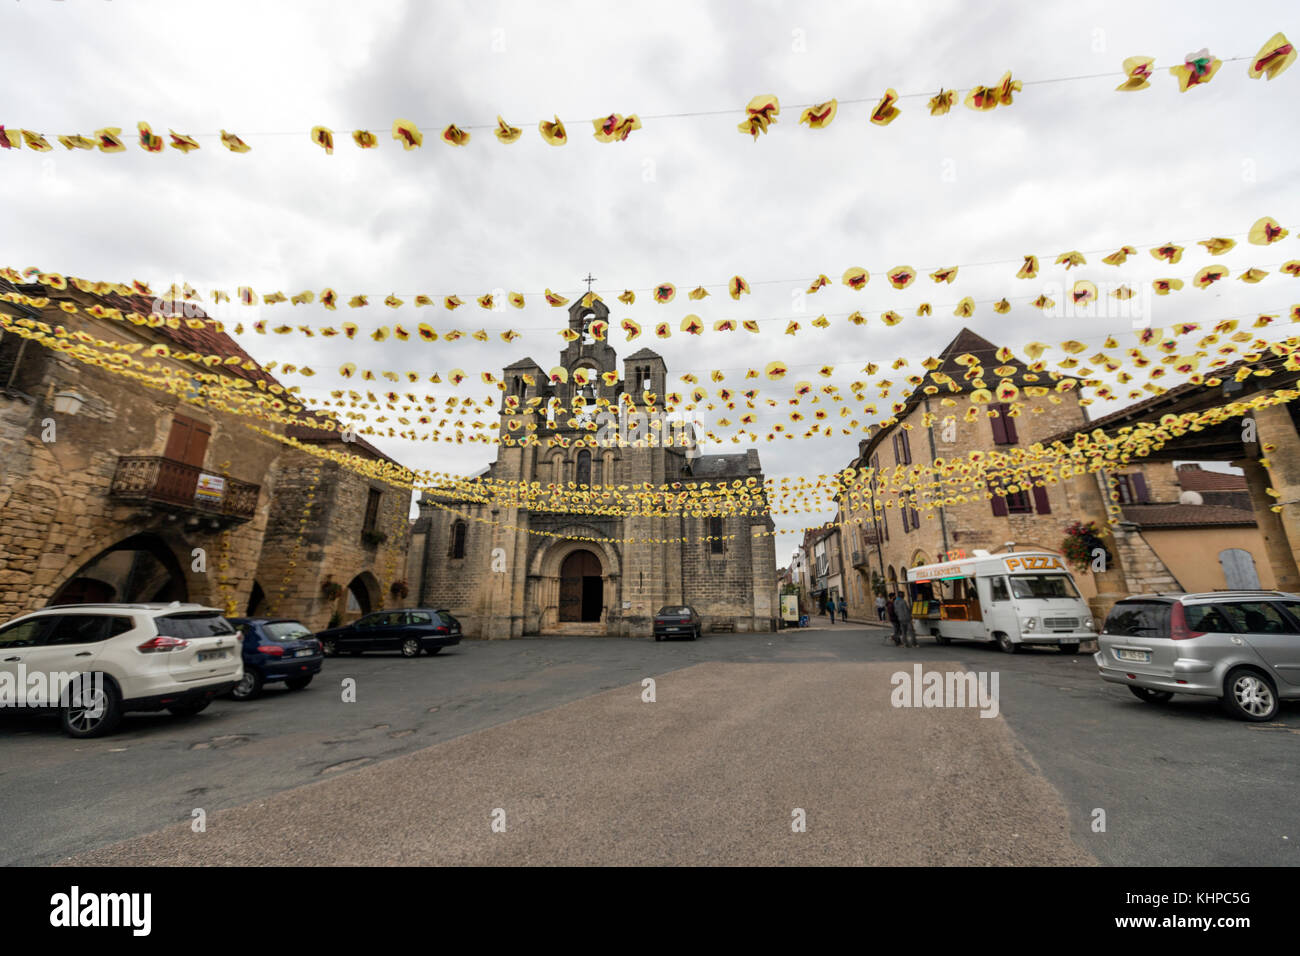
[140, 568]
[361, 596]
[547, 570]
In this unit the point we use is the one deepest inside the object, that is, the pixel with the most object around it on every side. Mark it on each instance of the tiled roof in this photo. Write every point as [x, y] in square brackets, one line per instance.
[1186, 516]
[1195, 478]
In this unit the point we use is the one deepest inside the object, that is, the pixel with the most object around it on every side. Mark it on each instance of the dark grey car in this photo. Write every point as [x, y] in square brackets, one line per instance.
[1240, 646]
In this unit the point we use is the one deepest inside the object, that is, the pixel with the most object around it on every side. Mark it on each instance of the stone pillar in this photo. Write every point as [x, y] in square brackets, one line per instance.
[1273, 425]
[1276, 544]
[1111, 584]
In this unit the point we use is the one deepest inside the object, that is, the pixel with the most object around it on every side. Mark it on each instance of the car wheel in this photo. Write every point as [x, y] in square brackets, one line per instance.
[410, 647]
[94, 713]
[190, 709]
[329, 648]
[1250, 695]
[1152, 696]
[695, 634]
[298, 683]
[1007, 644]
[1069, 647]
[249, 686]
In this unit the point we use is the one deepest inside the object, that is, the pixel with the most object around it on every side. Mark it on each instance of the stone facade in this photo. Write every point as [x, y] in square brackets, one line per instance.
[94, 501]
[510, 571]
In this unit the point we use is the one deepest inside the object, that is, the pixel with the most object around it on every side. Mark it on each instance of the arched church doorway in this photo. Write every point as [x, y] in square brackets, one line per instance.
[581, 587]
[138, 569]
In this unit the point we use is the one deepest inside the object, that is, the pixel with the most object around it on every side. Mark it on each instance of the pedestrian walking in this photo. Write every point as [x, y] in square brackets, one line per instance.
[904, 613]
[825, 605]
[893, 619]
[844, 610]
[880, 606]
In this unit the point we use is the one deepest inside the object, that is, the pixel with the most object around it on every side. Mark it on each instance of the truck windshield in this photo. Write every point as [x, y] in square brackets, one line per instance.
[1043, 586]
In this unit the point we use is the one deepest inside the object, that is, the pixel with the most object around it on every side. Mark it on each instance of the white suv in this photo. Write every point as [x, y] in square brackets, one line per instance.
[94, 662]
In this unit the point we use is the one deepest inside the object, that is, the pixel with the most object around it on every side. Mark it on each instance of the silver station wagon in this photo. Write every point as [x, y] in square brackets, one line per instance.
[1240, 646]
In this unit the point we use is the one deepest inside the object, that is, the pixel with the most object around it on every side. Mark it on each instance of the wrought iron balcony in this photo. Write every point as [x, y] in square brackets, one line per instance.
[162, 482]
[861, 559]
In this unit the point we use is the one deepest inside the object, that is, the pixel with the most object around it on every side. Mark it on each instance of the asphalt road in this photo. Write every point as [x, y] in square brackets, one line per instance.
[709, 773]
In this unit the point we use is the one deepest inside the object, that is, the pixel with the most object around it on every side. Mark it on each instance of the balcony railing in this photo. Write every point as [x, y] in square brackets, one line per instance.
[861, 559]
[160, 481]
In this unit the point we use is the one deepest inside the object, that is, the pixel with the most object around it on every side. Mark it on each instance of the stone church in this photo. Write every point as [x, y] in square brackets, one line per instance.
[508, 571]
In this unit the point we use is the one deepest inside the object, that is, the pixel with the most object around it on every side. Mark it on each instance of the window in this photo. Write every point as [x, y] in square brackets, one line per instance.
[194, 625]
[1208, 619]
[998, 588]
[1138, 619]
[286, 631]
[1258, 617]
[418, 618]
[902, 448]
[715, 535]
[88, 628]
[27, 633]
[1043, 586]
[458, 539]
[584, 468]
[1132, 489]
[1004, 426]
[911, 518]
[372, 510]
[1023, 502]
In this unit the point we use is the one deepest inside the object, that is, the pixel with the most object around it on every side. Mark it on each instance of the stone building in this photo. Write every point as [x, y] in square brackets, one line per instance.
[142, 487]
[508, 569]
[1183, 528]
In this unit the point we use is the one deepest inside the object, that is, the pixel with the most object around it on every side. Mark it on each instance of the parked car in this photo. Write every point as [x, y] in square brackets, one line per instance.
[276, 649]
[410, 631]
[1240, 646]
[677, 621]
[99, 661]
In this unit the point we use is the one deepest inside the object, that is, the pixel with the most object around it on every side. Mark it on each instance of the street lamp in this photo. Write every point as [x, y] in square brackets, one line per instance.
[69, 402]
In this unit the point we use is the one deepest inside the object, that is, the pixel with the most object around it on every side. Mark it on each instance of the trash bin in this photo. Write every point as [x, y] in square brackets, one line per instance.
[803, 620]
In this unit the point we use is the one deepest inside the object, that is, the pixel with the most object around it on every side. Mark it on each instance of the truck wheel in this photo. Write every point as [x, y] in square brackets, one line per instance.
[1007, 645]
[940, 639]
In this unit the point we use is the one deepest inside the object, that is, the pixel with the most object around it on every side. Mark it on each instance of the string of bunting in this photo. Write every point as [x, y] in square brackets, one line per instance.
[1265, 231]
[1274, 58]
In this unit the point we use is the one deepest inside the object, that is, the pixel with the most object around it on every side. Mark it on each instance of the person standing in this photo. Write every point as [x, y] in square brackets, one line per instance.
[844, 610]
[893, 619]
[880, 606]
[904, 613]
[826, 603]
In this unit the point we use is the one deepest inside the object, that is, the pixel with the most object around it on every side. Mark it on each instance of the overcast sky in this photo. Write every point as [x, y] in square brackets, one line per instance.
[687, 199]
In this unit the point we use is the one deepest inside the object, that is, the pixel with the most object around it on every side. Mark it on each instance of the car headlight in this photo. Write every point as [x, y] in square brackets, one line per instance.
[1088, 625]
[1028, 623]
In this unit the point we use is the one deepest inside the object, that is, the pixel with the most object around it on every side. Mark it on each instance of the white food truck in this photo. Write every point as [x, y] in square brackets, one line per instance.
[1015, 598]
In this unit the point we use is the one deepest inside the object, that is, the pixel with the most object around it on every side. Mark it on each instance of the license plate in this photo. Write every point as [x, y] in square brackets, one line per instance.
[305, 652]
[1140, 656]
[211, 656]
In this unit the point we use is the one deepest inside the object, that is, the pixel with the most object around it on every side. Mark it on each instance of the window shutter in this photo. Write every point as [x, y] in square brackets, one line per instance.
[999, 504]
[1009, 424]
[1041, 504]
[906, 445]
[1139, 484]
[999, 426]
[898, 459]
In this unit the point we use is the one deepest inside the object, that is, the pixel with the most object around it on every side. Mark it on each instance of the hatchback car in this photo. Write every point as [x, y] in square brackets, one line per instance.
[409, 631]
[677, 621]
[1242, 647]
[94, 662]
[276, 649]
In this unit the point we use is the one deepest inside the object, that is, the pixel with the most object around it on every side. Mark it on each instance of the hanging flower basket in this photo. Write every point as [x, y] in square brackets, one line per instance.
[330, 590]
[1081, 543]
[399, 590]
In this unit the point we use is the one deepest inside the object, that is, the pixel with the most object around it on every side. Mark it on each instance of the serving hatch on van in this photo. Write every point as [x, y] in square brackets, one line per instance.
[1021, 597]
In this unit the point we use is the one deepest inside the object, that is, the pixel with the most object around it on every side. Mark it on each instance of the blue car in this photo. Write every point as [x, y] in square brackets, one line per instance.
[276, 649]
